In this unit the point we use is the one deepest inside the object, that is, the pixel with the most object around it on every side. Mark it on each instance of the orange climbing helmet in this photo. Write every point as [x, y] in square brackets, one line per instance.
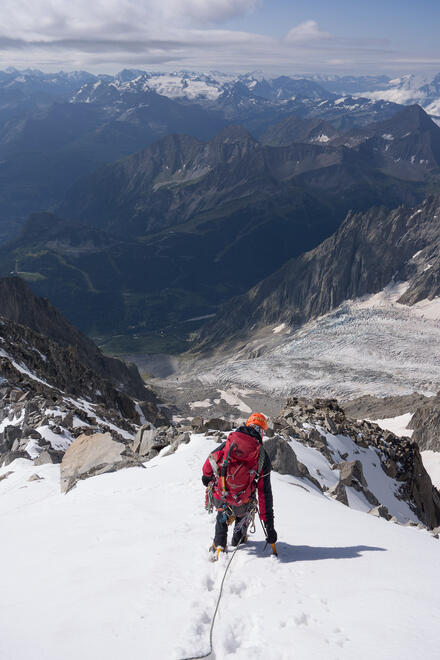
[257, 419]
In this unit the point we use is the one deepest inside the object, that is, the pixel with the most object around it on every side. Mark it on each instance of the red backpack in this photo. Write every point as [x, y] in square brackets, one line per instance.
[239, 468]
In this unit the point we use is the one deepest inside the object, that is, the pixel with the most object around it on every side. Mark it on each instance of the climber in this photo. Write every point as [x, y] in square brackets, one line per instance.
[235, 471]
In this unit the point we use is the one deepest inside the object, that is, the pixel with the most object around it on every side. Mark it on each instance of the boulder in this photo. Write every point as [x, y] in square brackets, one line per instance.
[10, 435]
[182, 439]
[11, 456]
[351, 472]
[197, 424]
[90, 455]
[144, 440]
[35, 477]
[6, 475]
[282, 456]
[369, 496]
[380, 511]
[339, 493]
[49, 456]
[217, 424]
[330, 425]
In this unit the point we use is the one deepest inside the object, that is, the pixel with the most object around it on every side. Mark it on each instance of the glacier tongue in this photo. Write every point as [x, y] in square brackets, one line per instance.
[370, 346]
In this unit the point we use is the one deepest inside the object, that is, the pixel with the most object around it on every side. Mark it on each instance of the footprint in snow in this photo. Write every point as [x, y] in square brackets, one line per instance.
[302, 619]
[238, 587]
[208, 582]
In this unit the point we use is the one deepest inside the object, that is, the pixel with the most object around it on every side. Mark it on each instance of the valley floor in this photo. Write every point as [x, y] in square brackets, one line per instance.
[118, 568]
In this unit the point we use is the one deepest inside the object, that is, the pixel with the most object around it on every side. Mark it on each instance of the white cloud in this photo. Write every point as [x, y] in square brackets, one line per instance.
[105, 35]
[206, 11]
[307, 31]
[55, 19]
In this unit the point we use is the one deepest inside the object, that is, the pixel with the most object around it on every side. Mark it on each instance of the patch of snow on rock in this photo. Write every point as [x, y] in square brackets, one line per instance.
[431, 462]
[397, 425]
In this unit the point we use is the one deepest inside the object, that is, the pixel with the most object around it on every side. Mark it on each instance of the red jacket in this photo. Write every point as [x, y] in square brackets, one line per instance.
[251, 438]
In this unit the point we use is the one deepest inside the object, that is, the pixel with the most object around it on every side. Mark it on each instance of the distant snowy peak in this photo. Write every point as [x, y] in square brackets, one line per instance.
[209, 86]
[408, 90]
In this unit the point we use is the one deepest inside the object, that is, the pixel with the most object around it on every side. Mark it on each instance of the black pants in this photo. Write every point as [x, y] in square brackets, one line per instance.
[221, 526]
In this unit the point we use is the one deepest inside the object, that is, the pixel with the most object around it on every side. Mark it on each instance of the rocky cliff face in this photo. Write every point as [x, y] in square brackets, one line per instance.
[364, 457]
[20, 305]
[368, 252]
[48, 396]
[426, 424]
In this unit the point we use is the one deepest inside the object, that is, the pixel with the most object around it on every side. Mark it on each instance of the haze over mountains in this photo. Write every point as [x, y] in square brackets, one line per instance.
[215, 167]
[56, 128]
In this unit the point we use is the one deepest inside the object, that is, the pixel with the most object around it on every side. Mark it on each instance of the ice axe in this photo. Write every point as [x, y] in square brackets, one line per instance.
[274, 548]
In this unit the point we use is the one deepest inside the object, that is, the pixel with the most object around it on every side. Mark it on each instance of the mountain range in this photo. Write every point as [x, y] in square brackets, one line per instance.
[56, 128]
[128, 244]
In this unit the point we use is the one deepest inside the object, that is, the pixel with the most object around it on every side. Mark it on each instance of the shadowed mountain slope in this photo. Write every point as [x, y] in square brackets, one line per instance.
[20, 305]
[367, 252]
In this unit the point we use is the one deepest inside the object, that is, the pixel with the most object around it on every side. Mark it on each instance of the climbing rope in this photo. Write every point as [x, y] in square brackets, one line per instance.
[250, 519]
[247, 520]
[211, 630]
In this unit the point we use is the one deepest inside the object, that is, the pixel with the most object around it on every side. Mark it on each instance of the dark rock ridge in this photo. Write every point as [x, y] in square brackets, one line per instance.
[426, 424]
[399, 458]
[355, 261]
[48, 397]
[20, 305]
[180, 176]
[372, 407]
[147, 225]
[425, 421]
[293, 129]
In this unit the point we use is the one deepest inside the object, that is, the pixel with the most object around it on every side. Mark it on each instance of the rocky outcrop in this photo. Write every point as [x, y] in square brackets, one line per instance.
[425, 421]
[20, 305]
[90, 455]
[48, 397]
[372, 407]
[399, 458]
[284, 459]
[149, 441]
[426, 424]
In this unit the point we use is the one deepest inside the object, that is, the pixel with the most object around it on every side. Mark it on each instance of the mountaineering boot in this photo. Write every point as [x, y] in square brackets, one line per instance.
[215, 551]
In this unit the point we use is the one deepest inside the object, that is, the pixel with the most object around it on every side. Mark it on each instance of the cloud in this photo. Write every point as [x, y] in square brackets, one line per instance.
[307, 31]
[55, 19]
[206, 11]
[105, 35]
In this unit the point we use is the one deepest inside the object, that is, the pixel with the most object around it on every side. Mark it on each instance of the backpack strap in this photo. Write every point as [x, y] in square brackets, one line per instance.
[224, 469]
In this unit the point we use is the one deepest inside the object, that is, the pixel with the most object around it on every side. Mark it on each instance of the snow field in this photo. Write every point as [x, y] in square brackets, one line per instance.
[118, 568]
[431, 462]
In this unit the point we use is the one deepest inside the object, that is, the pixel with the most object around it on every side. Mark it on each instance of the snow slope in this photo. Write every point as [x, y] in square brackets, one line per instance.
[431, 459]
[431, 462]
[118, 569]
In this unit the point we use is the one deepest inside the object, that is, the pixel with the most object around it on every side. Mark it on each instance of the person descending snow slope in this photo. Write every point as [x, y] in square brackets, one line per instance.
[234, 472]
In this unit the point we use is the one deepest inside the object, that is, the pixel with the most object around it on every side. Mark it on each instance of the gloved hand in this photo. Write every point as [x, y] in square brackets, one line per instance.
[206, 480]
[272, 536]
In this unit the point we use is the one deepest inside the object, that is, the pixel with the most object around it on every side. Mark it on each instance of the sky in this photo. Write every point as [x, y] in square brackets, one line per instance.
[273, 36]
